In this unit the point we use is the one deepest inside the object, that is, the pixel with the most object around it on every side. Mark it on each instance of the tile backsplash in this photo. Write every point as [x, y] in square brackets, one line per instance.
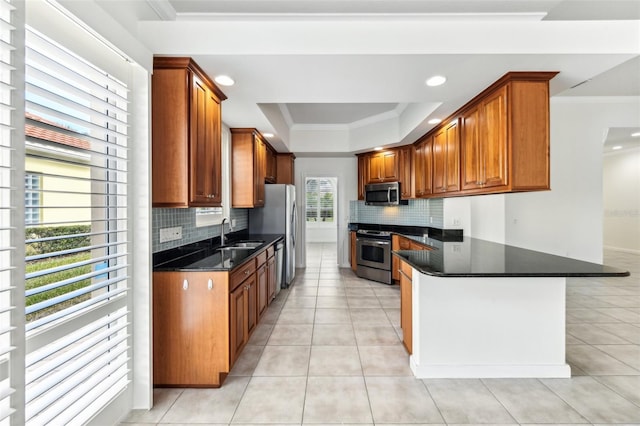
[419, 212]
[186, 218]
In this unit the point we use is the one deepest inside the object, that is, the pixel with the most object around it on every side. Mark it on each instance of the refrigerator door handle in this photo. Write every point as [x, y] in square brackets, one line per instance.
[294, 224]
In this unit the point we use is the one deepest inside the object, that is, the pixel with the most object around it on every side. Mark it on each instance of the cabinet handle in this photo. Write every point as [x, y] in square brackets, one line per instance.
[185, 284]
[210, 284]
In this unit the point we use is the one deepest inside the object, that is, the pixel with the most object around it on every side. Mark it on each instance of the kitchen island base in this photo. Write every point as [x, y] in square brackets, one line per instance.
[488, 327]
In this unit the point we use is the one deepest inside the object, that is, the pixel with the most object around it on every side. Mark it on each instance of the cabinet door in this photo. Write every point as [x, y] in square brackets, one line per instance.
[189, 328]
[395, 260]
[406, 309]
[494, 139]
[214, 132]
[272, 279]
[201, 149]
[263, 289]
[390, 166]
[452, 168]
[238, 325]
[376, 164]
[422, 168]
[271, 165]
[363, 174]
[439, 162]
[470, 149]
[260, 172]
[285, 168]
[405, 169]
[252, 303]
[446, 160]
[353, 254]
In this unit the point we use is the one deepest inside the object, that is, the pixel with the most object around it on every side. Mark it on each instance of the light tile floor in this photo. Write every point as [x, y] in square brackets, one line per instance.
[328, 351]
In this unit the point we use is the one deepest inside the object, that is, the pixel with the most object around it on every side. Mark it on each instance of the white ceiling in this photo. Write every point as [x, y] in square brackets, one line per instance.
[343, 76]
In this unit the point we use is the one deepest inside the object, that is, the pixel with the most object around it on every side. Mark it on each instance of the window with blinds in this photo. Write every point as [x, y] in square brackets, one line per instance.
[320, 205]
[76, 247]
[9, 180]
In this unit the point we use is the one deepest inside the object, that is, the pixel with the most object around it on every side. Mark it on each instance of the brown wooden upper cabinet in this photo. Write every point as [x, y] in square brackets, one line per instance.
[446, 159]
[285, 170]
[248, 168]
[422, 167]
[497, 142]
[405, 168]
[363, 174]
[186, 125]
[383, 166]
[270, 176]
[505, 136]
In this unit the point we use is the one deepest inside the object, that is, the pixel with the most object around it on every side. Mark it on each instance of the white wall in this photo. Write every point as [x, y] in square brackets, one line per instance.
[621, 190]
[346, 170]
[568, 220]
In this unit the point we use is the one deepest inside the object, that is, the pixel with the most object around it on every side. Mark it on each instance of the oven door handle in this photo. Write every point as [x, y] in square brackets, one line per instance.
[368, 241]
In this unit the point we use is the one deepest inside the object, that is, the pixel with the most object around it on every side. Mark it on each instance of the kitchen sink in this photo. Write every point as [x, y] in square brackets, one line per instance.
[231, 248]
[248, 244]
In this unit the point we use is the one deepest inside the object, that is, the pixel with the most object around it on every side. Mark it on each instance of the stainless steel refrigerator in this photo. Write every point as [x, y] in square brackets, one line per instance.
[278, 216]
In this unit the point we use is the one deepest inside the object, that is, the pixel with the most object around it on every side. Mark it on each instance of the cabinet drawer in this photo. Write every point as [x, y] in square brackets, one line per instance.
[261, 258]
[406, 269]
[270, 251]
[242, 274]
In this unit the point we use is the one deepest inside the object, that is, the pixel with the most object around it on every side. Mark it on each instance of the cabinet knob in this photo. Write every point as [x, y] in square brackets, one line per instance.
[210, 284]
[185, 284]
[246, 272]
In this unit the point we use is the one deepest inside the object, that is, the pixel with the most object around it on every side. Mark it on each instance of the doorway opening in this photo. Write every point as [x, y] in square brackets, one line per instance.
[321, 218]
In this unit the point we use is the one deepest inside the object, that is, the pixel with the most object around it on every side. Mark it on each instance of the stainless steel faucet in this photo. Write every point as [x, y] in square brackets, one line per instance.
[222, 236]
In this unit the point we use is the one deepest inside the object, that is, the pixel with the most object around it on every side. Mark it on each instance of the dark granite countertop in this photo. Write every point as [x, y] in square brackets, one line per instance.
[205, 256]
[471, 257]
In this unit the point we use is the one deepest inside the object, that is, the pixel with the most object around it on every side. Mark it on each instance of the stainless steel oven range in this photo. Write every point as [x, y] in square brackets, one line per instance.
[373, 255]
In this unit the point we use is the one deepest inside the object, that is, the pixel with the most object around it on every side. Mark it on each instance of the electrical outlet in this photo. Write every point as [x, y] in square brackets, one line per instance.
[233, 223]
[430, 219]
[170, 234]
[456, 221]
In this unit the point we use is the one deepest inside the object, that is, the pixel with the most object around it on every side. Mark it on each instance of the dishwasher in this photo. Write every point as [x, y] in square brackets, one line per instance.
[279, 262]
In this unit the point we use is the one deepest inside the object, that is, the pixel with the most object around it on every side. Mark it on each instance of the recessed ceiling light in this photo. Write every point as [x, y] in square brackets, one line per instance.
[267, 135]
[635, 135]
[436, 80]
[224, 80]
[377, 148]
[434, 121]
[617, 147]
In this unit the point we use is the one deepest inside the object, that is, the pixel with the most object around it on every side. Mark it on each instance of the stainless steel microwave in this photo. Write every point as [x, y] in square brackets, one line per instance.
[383, 194]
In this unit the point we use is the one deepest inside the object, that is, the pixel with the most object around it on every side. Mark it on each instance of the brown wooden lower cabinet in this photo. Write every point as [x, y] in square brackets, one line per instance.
[238, 326]
[203, 320]
[353, 254]
[244, 310]
[190, 321]
[263, 289]
[271, 279]
[405, 305]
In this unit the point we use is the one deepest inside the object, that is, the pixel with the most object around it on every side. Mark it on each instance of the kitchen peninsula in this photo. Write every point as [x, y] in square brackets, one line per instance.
[480, 309]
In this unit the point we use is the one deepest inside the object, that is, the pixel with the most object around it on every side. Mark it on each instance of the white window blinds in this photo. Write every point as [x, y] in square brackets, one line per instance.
[9, 179]
[320, 204]
[77, 253]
